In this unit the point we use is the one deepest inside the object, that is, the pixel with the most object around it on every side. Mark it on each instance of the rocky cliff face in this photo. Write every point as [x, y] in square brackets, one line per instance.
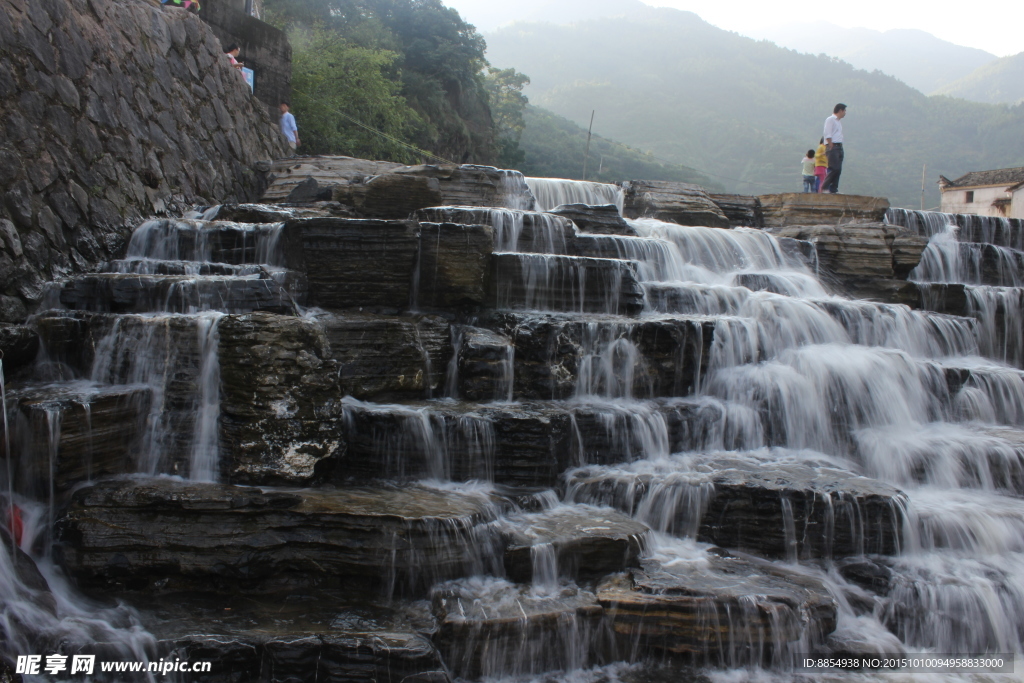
[110, 110]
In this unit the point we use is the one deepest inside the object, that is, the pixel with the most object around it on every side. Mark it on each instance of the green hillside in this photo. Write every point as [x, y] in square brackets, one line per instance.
[1001, 81]
[554, 147]
[666, 81]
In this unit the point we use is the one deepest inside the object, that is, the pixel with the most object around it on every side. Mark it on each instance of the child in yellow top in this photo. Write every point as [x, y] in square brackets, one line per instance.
[820, 165]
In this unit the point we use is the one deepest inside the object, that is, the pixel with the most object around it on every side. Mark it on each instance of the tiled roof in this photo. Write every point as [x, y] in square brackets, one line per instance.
[1002, 176]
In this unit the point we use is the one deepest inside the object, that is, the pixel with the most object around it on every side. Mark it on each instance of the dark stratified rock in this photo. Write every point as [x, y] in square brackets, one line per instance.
[280, 400]
[74, 433]
[19, 345]
[577, 541]
[514, 229]
[800, 208]
[399, 192]
[742, 211]
[333, 635]
[327, 171]
[861, 251]
[251, 213]
[454, 266]
[552, 351]
[354, 263]
[120, 293]
[165, 351]
[132, 533]
[762, 502]
[543, 282]
[602, 220]
[673, 202]
[490, 627]
[483, 365]
[717, 609]
[388, 357]
[514, 444]
[309, 191]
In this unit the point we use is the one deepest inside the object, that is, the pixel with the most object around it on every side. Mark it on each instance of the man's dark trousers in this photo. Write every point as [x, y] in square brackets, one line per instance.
[835, 169]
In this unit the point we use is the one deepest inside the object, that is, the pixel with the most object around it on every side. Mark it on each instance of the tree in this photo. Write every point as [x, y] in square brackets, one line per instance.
[338, 85]
[505, 88]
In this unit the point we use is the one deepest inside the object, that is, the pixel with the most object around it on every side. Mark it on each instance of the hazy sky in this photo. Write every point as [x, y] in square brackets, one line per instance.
[992, 25]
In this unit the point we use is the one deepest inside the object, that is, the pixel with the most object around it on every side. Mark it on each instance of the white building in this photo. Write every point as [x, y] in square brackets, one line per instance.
[985, 193]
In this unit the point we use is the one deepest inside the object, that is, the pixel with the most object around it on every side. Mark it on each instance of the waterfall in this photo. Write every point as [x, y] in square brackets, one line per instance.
[554, 192]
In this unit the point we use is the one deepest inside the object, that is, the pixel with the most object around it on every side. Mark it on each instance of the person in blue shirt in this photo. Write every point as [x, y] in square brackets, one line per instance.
[289, 128]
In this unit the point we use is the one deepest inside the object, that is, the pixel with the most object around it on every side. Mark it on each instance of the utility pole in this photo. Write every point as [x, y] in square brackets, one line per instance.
[923, 169]
[586, 155]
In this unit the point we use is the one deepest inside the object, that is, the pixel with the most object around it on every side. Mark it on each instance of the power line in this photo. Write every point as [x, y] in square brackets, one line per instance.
[384, 135]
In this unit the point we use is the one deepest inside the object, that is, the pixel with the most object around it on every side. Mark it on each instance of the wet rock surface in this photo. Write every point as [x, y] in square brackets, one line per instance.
[272, 637]
[861, 250]
[19, 345]
[741, 210]
[280, 414]
[717, 609]
[67, 435]
[578, 541]
[489, 626]
[131, 534]
[117, 293]
[601, 220]
[551, 352]
[566, 283]
[758, 504]
[672, 202]
[797, 208]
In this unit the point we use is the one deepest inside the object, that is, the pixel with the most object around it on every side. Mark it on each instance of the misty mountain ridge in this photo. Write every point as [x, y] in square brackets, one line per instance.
[1001, 81]
[916, 57]
[745, 110]
[497, 15]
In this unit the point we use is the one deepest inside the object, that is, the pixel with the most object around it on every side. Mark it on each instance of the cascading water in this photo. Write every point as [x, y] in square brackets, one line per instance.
[554, 192]
[696, 394]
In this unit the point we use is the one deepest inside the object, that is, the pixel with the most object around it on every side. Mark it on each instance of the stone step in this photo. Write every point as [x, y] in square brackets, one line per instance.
[542, 282]
[215, 241]
[488, 627]
[770, 502]
[327, 635]
[672, 202]
[557, 356]
[717, 609]
[74, 432]
[147, 266]
[130, 534]
[120, 293]
[804, 209]
[570, 541]
[514, 230]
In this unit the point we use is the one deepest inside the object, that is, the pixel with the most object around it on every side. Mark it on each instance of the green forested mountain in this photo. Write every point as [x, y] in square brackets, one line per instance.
[412, 69]
[554, 147]
[1001, 81]
[666, 81]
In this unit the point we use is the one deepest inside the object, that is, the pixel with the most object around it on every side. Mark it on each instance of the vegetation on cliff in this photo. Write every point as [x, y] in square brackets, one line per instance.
[412, 69]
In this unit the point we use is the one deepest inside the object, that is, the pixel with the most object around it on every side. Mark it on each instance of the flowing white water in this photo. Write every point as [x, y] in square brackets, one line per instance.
[554, 192]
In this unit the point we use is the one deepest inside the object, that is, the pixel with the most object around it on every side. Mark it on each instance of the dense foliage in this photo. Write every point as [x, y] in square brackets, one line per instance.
[744, 110]
[554, 147]
[418, 51]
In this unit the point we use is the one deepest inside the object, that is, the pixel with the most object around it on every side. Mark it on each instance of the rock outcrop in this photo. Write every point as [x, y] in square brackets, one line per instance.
[673, 202]
[809, 208]
[689, 609]
[861, 251]
[129, 534]
[113, 110]
[742, 211]
[600, 220]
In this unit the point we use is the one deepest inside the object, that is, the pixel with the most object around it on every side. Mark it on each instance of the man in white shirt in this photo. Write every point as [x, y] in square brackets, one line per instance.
[288, 127]
[834, 148]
